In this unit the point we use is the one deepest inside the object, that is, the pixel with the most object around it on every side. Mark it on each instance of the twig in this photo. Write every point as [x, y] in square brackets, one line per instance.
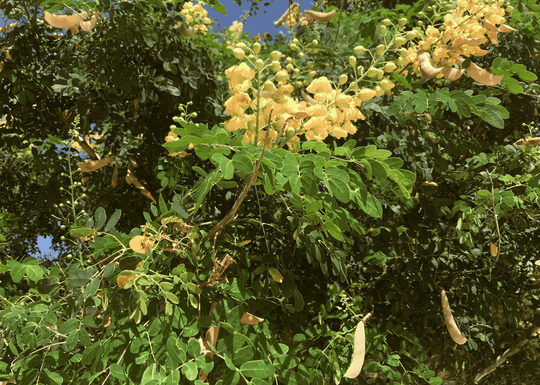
[515, 348]
[230, 216]
[498, 232]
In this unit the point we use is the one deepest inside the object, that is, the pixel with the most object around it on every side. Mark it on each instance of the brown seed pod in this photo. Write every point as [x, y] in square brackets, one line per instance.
[285, 15]
[481, 75]
[449, 320]
[320, 16]
[308, 99]
[528, 142]
[250, 319]
[425, 65]
[452, 74]
[93, 165]
[359, 351]
[70, 22]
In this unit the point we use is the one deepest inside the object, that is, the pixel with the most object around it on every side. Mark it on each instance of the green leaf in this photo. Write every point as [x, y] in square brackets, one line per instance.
[189, 369]
[100, 216]
[113, 220]
[79, 232]
[337, 183]
[435, 381]
[117, 372]
[18, 270]
[257, 369]
[527, 76]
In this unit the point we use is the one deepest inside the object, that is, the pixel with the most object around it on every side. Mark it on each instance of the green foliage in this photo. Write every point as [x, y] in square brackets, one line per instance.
[254, 264]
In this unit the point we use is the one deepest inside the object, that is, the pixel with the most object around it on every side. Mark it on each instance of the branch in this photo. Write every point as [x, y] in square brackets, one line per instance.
[230, 216]
[515, 348]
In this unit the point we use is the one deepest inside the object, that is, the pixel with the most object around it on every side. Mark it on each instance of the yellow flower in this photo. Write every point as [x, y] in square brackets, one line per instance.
[237, 104]
[236, 123]
[320, 86]
[240, 76]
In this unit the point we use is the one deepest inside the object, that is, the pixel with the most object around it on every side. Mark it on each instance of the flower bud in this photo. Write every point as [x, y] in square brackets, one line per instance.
[382, 30]
[251, 57]
[342, 79]
[387, 22]
[269, 86]
[366, 94]
[315, 42]
[402, 21]
[389, 67]
[315, 51]
[293, 47]
[359, 50]
[379, 91]
[289, 59]
[259, 64]
[386, 84]
[379, 50]
[289, 67]
[372, 72]
[275, 66]
[410, 35]
[275, 55]
[257, 47]
[401, 61]
[295, 41]
[300, 55]
[311, 74]
[360, 70]
[420, 23]
[296, 71]
[282, 76]
[421, 15]
[242, 46]
[509, 9]
[399, 41]
[380, 74]
[352, 61]
[239, 53]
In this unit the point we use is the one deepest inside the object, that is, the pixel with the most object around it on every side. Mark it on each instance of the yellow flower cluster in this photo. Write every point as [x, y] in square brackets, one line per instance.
[330, 111]
[196, 15]
[464, 30]
[235, 32]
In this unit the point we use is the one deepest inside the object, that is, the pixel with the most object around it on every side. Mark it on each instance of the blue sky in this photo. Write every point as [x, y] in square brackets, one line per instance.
[263, 22]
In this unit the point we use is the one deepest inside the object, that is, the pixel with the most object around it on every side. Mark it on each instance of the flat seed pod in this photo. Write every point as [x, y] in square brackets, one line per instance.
[506, 28]
[359, 352]
[70, 22]
[492, 32]
[483, 76]
[528, 142]
[93, 165]
[114, 181]
[320, 16]
[308, 99]
[449, 320]
[285, 15]
[424, 62]
[88, 25]
[301, 115]
[451, 73]
[250, 319]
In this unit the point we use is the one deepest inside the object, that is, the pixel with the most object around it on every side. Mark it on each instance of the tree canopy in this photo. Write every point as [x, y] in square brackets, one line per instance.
[357, 202]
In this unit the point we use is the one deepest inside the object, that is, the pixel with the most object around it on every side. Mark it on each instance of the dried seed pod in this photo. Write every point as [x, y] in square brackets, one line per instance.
[114, 181]
[250, 319]
[425, 65]
[88, 25]
[528, 142]
[449, 320]
[493, 250]
[359, 350]
[70, 22]
[320, 16]
[93, 165]
[285, 15]
[483, 76]
[308, 99]
[429, 184]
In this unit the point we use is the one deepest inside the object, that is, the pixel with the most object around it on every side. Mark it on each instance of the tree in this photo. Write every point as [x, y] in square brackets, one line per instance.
[332, 188]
